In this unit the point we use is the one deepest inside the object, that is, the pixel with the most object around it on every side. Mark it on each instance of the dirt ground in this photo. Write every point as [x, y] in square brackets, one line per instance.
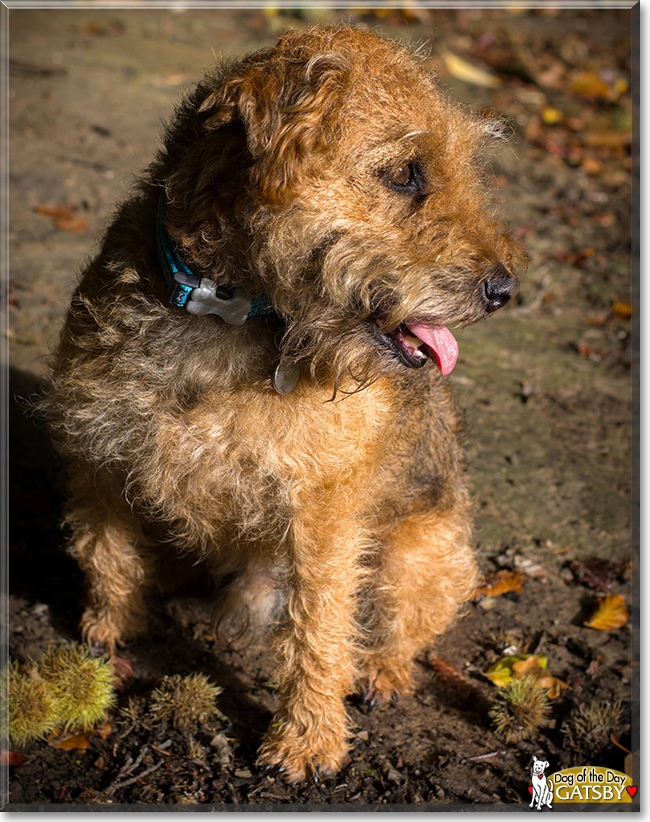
[546, 386]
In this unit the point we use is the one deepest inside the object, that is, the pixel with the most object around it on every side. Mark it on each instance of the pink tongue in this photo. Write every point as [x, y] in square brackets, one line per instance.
[441, 341]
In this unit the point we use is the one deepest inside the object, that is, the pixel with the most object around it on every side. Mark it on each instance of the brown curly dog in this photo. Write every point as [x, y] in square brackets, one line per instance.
[317, 219]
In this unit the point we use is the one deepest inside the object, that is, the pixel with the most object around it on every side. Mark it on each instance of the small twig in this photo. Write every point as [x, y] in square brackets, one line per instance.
[273, 796]
[133, 779]
[128, 767]
[132, 767]
[482, 756]
[618, 744]
[124, 769]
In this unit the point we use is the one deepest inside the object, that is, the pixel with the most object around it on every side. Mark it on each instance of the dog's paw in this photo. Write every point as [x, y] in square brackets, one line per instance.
[383, 686]
[100, 632]
[297, 757]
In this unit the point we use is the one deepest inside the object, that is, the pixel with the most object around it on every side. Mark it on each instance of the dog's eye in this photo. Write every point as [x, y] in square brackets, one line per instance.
[407, 178]
[401, 176]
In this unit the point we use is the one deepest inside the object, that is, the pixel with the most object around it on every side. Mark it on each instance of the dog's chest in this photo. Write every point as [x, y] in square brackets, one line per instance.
[247, 460]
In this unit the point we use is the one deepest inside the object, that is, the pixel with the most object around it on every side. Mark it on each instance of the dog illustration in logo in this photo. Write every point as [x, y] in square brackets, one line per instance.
[542, 792]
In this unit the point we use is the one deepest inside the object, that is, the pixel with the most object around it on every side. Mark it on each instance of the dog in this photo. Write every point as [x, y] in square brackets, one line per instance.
[542, 791]
[244, 371]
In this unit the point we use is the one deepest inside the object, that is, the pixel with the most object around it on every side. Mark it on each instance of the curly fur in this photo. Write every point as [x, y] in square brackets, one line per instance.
[352, 512]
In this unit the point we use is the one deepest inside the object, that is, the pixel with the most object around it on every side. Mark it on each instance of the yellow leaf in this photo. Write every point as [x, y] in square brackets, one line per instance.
[610, 614]
[588, 84]
[623, 311]
[501, 672]
[551, 116]
[468, 73]
[521, 666]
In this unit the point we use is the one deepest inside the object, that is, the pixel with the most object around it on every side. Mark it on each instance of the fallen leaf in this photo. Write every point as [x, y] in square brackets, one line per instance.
[529, 665]
[502, 671]
[122, 671]
[551, 684]
[450, 675]
[68, 742]
[9, 759]
[502, 582]
[622, 311]
[551, 115]
[589, 85]
[59, 212]
[525, 665]
[594, 573]
[78, 742]
[104, 729]
[76, 224]
[469, 73]
[611, 613]
[64, 217]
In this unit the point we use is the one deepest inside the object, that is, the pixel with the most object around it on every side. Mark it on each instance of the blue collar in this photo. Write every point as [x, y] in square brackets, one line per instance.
[200, 295]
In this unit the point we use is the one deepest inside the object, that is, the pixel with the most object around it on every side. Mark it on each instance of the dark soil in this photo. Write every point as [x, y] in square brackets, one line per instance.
[546, 386]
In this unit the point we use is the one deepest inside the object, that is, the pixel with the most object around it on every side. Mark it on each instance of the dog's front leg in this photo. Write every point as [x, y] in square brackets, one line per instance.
[309, 735]
[426, 571]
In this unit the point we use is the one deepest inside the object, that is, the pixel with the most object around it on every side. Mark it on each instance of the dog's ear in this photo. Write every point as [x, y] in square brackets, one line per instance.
[287, 107]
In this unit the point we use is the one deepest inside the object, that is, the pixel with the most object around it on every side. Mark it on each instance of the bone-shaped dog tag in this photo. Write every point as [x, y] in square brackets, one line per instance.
[204, 300]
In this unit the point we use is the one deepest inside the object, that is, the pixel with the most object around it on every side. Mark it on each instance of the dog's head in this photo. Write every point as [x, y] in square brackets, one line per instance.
[331, 173]
[539, 766]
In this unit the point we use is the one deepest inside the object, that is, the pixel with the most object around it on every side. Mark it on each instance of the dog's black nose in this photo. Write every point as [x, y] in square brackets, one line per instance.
[499, 289]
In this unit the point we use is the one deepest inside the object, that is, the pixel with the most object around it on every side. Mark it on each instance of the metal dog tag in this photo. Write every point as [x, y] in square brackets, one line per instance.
[204, 300]
[285, 376]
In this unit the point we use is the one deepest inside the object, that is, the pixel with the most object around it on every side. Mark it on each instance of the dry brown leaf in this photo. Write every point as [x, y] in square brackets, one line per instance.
[64, 217]
[75, 224]
[122, 670]
[10, 758]
[611, 613]
[78, 742]
[450, 675]
[67, 742]
[104, 729]
[552, 684]
[502, 582]
[59, 212]
[543, 678]
[528, 667]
